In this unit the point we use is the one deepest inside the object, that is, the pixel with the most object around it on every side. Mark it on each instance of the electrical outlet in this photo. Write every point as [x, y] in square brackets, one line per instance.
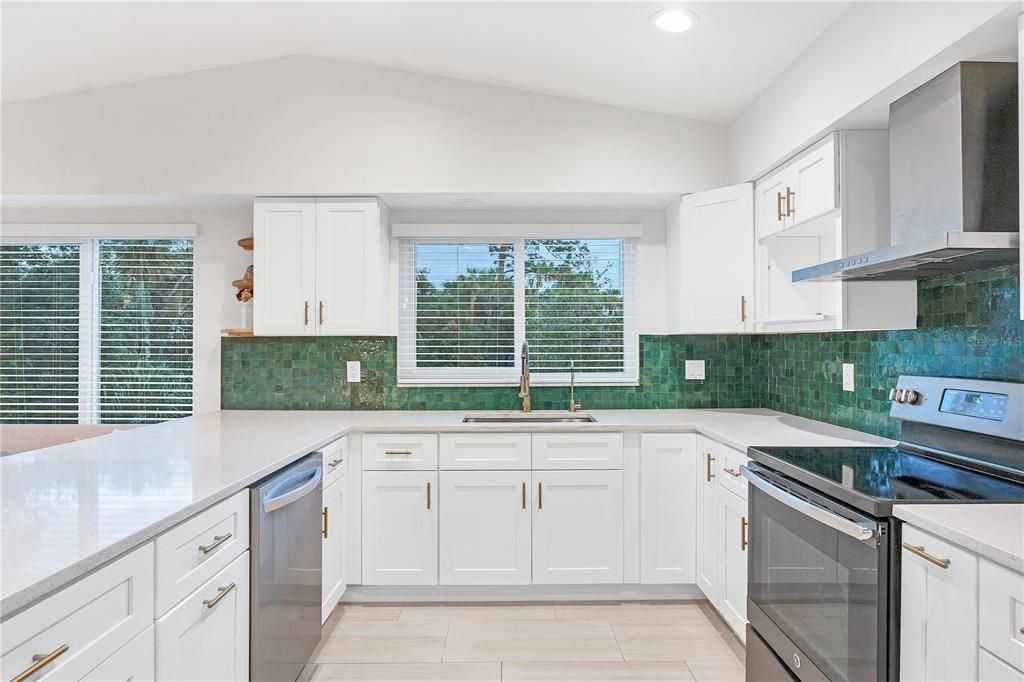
[355, 371]
[848, 376]
[695, 369]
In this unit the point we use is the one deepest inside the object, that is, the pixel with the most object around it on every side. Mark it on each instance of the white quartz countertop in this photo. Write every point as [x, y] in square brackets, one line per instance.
[68, 509]
[994, 531]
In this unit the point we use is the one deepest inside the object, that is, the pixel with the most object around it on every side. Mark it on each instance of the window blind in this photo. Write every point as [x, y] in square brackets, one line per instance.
[466, 306]
[39, 332]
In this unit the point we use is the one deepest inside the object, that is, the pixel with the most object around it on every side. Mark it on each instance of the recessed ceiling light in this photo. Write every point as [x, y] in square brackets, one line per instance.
[674, 20]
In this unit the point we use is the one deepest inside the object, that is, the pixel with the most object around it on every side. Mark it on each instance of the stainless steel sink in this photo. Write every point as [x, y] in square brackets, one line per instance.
[529, 418]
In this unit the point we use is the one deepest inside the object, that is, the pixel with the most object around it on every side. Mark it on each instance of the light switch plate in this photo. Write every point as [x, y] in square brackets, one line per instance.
[848, 376]
[355, 371]
[695, 369]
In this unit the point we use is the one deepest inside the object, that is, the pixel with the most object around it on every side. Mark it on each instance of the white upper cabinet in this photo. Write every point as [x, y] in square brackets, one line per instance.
[320, 267]
[830, 201]
[711, 261]
[284, 274]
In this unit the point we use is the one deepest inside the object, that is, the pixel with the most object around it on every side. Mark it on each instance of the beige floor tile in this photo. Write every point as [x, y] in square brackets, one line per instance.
[456, 672]
[383, 642]
[364, 613]
[531, 640]
[717, 669]
[597, 672]
[669, 640]
[486, 613]
[623, 612]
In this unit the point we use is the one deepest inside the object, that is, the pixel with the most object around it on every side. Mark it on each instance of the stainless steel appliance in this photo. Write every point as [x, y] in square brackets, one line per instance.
[953, 180]
[824, 549]
[286, 570]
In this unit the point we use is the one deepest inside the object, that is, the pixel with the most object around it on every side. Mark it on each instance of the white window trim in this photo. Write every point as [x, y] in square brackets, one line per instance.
[509, 231]
[441, 378]
[42, 232]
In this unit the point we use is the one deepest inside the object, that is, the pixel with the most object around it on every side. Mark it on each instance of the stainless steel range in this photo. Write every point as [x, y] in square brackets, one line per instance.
[824, 548]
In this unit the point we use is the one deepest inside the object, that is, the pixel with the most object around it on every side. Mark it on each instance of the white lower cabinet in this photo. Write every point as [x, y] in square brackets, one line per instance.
[206, 636]
[938, 611]
[991, 669]
[732, 569]
[485, 527]
[335, 544]
[707, 521]
[577, 527]
[134, 662]
[399, 527]
[668, 507]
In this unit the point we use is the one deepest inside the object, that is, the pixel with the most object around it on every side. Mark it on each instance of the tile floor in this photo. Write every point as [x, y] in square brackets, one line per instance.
[631, 641]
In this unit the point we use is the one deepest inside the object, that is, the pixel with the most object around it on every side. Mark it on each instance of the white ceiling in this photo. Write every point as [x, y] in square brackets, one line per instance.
[604, 52]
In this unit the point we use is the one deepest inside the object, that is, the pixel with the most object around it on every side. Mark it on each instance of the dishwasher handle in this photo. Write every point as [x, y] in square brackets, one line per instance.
[291, 487]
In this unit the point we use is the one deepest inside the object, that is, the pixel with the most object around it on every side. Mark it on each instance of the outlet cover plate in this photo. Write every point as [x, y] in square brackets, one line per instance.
[354, 370]
[695, 369]
[848, 382]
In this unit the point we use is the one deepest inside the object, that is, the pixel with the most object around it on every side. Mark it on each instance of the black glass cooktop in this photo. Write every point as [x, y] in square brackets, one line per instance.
[873, 479]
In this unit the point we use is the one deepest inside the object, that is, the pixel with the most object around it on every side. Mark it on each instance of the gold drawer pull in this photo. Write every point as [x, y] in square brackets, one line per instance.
[779, 213]
[218, 540]
[41, 661]
[709, 461]
[540, 496]
[919, 551]
[221, 593]
[324, 529]
[743, 534]
[335, 462]
[398, 452]
[428, 495]
[305, 315]
[731, 472]
[524, 495]
[790, 203]
[321, 313]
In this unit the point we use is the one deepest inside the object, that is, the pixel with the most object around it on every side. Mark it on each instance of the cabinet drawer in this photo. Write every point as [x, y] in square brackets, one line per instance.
[507, 451]
[335, 461]
[1001, 621]
[577, 451]
[89, 620]
[991, 669]
[729, 462]
[399, 451]
[135, 661]
[192, 552]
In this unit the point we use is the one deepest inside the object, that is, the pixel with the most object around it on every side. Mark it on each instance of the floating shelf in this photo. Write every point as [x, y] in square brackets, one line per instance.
[237, 332]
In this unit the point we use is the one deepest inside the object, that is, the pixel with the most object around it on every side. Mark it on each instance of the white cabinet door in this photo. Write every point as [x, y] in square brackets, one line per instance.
[732, 530]
[134, 662]
[938, 611]
[334, 545]
[715, 260]
[707, 521]
[284, 275]
[668, 507]
[1001, 621]
[813, 176]
[206, 636]
[351, 267]
[400, 527]
[991, 669]
[577, 527]
[485, 527]
[770, 193]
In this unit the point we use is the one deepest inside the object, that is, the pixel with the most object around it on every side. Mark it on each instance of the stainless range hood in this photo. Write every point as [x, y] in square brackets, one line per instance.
[953, 157]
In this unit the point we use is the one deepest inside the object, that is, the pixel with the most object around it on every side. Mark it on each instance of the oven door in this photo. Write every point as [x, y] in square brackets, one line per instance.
[818, 580]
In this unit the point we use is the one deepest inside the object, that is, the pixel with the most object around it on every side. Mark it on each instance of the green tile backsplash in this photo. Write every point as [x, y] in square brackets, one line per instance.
[968, 326]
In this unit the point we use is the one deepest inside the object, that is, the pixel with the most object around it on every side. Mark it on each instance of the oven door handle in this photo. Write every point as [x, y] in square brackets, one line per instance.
[839, 523]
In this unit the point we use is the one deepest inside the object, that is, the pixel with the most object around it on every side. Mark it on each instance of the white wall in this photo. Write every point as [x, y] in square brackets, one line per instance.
[218, 260]
[872, 48]
[651, 301]
[306, 125]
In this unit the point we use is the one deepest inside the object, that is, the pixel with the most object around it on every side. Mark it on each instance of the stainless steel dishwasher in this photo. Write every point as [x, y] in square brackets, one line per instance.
[286, 573]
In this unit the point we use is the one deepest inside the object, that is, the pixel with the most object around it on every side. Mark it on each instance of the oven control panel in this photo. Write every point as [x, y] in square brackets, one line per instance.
[995, 408]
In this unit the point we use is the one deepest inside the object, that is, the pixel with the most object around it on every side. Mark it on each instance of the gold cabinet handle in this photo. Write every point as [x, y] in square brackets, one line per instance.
[221, 593]
[218, 540]
[710, 459]
[398, 452]
[324, 530]
[428, 495]
[743, 534]
[743, 308]
[321, 313]
[524, 495]
[305, 315]
[732, 472]
[779, 213]
[919, 551]
[40, 662]
[540, 496]
[335, 462]
[790, 203]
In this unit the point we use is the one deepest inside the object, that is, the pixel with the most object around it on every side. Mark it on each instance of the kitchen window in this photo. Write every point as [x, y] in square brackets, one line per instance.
[96, 330]
[467, 305]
